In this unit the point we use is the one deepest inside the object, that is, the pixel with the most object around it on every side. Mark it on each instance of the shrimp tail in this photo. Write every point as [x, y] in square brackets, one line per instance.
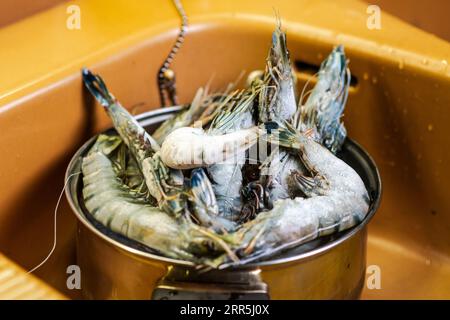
[324, 107]
[97, 87]
[279, 94]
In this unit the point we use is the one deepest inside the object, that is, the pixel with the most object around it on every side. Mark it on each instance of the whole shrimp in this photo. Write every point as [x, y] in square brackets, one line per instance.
[116, 206]
[164, 184]
[227, 177]
[337, 200]
[278, 103]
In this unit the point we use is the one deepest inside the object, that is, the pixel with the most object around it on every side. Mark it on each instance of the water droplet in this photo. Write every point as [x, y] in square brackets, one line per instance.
[428, 262]
[405, 111]
[419, 156]
[365, 76]
[430, 127]
[401, 64]
[374, 80]
[445, 63]
[425, 61]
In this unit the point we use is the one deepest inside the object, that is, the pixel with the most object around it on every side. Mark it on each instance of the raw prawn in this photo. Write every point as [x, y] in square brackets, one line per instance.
[163, 184]
[194, 147]
[116, 206]
[337, 200]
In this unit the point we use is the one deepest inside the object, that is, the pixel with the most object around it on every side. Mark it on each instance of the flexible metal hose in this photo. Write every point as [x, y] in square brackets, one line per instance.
[166, 76]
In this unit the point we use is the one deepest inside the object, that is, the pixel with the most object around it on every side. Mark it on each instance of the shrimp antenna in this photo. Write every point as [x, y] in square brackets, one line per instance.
[97, 88]
[276, 12]
[302, 95]
[166, 76]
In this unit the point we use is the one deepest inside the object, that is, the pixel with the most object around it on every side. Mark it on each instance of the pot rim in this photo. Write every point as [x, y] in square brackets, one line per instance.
[151, 117]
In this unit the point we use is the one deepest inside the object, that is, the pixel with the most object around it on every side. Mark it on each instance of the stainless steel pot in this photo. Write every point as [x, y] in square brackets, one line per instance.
[113, 267]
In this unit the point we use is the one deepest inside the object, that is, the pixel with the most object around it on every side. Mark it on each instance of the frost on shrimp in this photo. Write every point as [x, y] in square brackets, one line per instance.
[337, 200]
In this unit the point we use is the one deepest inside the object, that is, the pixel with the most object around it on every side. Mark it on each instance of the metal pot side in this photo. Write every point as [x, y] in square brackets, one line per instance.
[335, 269]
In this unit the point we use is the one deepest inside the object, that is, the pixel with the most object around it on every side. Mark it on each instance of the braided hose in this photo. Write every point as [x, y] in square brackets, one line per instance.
[166, 76]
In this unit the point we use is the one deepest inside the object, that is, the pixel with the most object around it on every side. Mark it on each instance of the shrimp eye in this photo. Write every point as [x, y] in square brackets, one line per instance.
[271, 125]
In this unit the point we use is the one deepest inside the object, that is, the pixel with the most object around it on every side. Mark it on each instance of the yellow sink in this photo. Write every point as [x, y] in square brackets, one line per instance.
[397, 110]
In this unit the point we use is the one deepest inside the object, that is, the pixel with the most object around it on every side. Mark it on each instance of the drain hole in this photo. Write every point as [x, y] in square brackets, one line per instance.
[311, 69]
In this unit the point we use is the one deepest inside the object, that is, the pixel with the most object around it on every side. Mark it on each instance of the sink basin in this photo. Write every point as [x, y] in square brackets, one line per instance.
[396, 110]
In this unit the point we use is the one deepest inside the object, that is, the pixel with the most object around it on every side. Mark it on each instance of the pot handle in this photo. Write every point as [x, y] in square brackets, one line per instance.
[188, 284]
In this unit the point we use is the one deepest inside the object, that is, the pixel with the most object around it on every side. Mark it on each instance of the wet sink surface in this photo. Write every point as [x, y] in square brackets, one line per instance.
[406, 271]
